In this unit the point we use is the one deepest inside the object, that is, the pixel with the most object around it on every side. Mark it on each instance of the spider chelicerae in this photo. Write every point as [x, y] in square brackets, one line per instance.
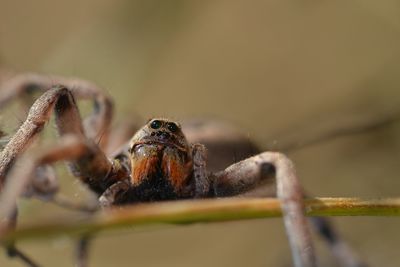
[157, 163]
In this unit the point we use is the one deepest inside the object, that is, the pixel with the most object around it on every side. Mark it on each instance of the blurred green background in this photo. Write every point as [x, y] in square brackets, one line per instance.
[271, 67]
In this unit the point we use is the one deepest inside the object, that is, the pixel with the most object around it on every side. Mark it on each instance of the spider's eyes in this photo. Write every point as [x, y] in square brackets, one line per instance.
[155, 124]
[172, 127]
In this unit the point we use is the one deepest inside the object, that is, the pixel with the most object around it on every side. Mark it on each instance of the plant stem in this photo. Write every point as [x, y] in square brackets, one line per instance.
[187, 212]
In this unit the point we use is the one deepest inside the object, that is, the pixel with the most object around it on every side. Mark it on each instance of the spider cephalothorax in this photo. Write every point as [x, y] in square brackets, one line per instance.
[161, 160]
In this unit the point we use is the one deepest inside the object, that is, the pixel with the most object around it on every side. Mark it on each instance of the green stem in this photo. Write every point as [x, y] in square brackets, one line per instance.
[186, 212]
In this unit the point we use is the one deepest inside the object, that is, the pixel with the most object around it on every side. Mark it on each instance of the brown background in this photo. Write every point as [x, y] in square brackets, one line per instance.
[272, 67]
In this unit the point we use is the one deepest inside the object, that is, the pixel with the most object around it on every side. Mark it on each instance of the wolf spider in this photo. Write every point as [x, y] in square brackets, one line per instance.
[158, 163]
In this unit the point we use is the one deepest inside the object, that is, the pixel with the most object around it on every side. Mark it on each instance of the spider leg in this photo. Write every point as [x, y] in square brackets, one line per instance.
[93, 168]
[201, 181]
[226, 145]
[82, 251]
[246, 174]
[114, 194]
[87, 160]
[12, 251]
[343, 253]
[96, 125]
[70, 148]
[44, 186]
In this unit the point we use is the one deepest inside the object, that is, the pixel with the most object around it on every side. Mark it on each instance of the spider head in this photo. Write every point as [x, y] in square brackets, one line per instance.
[161, 161]
[163, 132]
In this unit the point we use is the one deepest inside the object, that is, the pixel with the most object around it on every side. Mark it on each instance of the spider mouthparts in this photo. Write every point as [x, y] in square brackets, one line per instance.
[163, 135]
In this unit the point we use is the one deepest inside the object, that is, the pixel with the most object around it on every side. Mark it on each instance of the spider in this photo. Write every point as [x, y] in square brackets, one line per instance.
[158, 163]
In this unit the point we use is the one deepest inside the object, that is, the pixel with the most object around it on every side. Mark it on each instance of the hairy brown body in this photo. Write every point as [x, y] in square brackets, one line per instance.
[159, 165]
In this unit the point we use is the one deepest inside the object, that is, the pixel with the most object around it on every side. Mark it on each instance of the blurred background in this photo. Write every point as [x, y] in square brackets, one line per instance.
[273, 68]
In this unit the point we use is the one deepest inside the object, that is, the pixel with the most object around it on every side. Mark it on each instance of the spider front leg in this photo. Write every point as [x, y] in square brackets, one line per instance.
[248, 173]
[92, 169]
[92, 166]
[96, 125]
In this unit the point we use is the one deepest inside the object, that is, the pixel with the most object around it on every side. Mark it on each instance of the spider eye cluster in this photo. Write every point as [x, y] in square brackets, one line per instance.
[155, 124]
[172, 127]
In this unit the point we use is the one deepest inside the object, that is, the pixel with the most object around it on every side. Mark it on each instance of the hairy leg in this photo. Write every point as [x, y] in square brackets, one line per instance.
[87, 161]
[246, 174]
[91, 169]
[82, 251]
[12, 251]
[343, 253]
[226, 145]
[70, 147]
[247, 177]
[201, 181]
[96, 125]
